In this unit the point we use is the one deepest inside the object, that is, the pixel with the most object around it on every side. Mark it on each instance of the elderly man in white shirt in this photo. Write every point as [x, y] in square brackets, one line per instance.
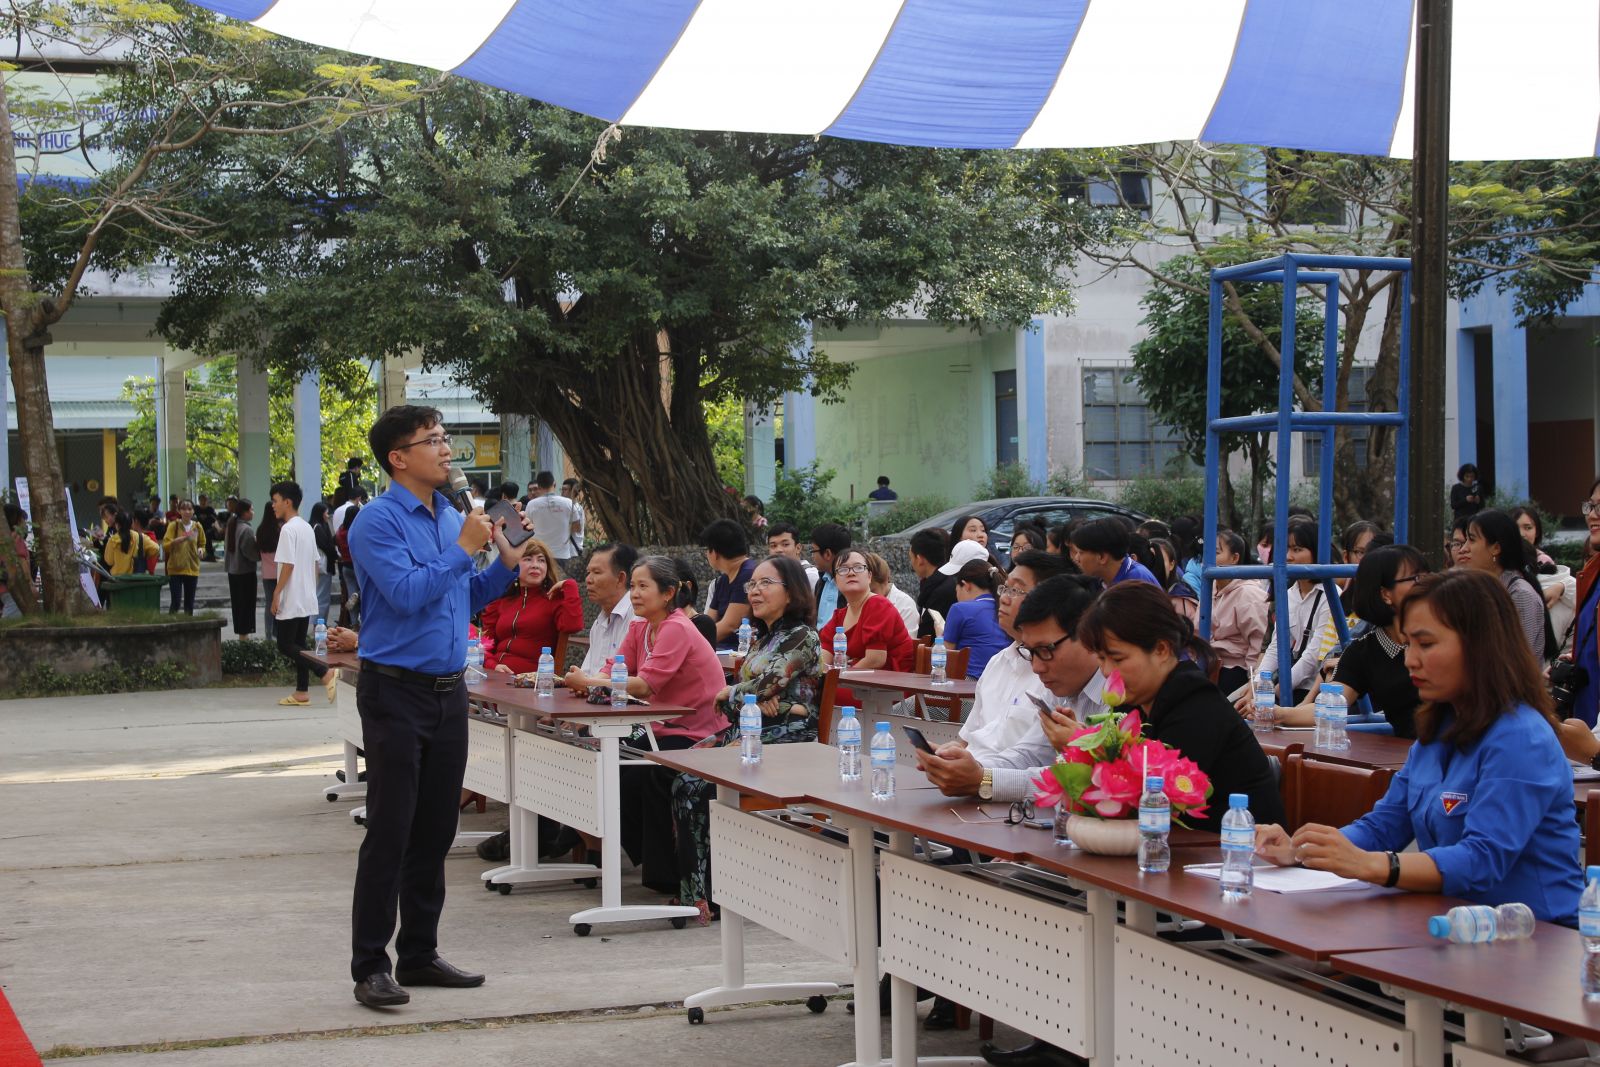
[606, 581]
[1002, 741]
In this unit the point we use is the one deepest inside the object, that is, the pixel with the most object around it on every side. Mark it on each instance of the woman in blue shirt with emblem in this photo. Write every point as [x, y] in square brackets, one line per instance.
[1486, 793]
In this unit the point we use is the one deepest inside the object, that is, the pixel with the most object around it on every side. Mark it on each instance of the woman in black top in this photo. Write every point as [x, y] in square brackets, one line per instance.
[1375, 663]
[1134, 630]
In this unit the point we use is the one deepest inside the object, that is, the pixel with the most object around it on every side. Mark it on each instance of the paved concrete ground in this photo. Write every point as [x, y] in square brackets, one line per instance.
[170, 872]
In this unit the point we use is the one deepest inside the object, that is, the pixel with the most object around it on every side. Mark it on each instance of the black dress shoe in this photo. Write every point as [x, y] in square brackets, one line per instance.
[442, 973]
[942, 1016]
[496, 849]
[380, 991]
[1033, 1054]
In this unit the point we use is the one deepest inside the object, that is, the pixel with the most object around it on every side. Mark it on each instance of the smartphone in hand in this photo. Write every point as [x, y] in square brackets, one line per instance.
[915, 736]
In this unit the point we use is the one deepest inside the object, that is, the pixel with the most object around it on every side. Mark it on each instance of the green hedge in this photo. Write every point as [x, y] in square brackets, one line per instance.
[245, 655]
[45, 681]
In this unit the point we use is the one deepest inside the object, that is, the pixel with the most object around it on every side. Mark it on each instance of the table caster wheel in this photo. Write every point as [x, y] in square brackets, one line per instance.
[332, 797]
[505, 889]
[490, 886]
[679, 922]
[818, 1004]
[590, 883]
[697, 1016]
[582, 929]
[358, 820]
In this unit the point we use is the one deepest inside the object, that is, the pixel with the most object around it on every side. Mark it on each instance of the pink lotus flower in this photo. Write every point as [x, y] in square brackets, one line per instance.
[1185, 784]
[1115, 692]
[1114, 788]
[1047, 791]
[1150, 757]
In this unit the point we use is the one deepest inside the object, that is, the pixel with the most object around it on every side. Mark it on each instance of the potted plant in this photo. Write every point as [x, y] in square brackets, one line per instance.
[1101, 773]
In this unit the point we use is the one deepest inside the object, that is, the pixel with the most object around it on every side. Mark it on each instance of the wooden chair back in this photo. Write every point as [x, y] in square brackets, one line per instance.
[1331, 794]
[825, 708]
[1591, 829]
[559, 653]
[955, 662]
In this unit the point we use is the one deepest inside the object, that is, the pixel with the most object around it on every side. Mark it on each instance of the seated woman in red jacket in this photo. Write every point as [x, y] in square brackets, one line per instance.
[534, 612]
[875, 634]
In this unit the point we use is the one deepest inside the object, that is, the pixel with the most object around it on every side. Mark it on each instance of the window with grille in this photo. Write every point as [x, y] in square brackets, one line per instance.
[1356, 401]
[1121, 438]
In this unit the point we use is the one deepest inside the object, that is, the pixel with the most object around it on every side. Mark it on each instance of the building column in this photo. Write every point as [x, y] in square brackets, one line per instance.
[516, 450]
[391, 383]
[255, 465]
[547, 453]
[1466, 398]
[308, 437]
[1032, 429]
[760, 452]
[800, 418]
[173, 465]
[108, 462]
[1510, 359]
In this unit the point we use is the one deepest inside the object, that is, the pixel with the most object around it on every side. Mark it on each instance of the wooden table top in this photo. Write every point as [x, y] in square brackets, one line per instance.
[1366, 750]
[931, 814]
[1534, 981]
[1314, 926]
[901, 681]
[787, 773]
[563, 703]
[344, 661]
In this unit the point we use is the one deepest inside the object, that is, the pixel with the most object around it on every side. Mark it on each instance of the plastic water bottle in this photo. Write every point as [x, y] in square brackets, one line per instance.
[544, 682]
[619, 683]
[882, 753]
[841, 657]
[1058, 827]
[1238, 848]
[749, 730]
[475, 660]
[1266, 713]
[1155, 822]
[938, 659]
[1336, 713]
[322, 637]
[848, 734]
[1469, 924]
[1589, 929]
[744, 637]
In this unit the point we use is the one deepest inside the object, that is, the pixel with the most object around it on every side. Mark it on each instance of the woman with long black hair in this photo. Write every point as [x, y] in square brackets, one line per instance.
[1495, 546]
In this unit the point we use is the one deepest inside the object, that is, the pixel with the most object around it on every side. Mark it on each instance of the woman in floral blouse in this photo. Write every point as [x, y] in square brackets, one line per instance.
[784, 673]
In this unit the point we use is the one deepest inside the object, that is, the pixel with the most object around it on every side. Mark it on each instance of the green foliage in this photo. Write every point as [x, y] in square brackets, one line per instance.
[906, 512]
[725, 424]
[1006, 480]
[1566, 553]
[43, 680]
[802, 497]
[211, 414]
[1064, 481]
[115, 617]
[1164, 498]
[246, 655]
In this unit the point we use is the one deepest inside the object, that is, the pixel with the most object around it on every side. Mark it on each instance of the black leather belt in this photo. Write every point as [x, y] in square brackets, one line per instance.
[439, 683]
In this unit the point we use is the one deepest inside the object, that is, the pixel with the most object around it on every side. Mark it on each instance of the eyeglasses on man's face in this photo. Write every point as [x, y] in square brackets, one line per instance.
[1042, 653]
[1453, 545]
[761, 585]
[1012, 592]
[438, 440]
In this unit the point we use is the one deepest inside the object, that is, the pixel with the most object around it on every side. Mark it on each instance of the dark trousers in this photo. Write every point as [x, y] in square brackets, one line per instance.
[183, 587]
[347, 588]
[242, 598]
[292, 642]
[267, 586]
[416, 746]
[647, 820]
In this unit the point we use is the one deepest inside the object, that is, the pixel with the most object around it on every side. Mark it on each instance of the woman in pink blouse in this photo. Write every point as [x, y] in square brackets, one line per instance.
[668, 663]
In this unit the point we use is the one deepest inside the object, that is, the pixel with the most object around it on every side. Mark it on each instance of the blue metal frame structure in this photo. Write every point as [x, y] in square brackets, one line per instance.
[1292, 271]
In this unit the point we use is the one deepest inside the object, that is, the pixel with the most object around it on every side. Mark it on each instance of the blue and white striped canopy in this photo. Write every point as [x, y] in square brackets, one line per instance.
[1332, 75]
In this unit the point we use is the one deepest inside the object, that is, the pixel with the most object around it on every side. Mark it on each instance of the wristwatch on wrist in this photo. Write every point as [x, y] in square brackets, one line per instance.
[986, 787]
[1394, 871]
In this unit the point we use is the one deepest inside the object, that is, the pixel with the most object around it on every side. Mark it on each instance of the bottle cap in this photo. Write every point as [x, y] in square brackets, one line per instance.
[1154, 782]
[1238, 800]
[1591, 874]
[619, 659]
[321, 621]
[1333, 688]
[938, 640]
[1265, 676]
[1439, 926]
[749, 698]
[848, 709]
[882, 726]
[545, 651]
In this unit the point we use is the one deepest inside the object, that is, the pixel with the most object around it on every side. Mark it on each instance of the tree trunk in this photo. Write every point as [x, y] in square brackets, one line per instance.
[1369, 493]
[27, 313]
[647, 467]
[1255, 448]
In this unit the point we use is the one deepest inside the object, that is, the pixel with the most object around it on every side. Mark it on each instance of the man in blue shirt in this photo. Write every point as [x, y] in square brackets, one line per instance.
[1100, 549]
[413, 558]
[828, 542]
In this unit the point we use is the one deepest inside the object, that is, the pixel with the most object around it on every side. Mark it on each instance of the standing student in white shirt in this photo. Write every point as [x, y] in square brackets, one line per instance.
[554, 521]
[294, 598]
[569, 489]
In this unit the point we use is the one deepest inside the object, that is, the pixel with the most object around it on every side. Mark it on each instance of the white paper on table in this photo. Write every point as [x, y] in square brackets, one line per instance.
[1284, 879]
[1584, 773]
